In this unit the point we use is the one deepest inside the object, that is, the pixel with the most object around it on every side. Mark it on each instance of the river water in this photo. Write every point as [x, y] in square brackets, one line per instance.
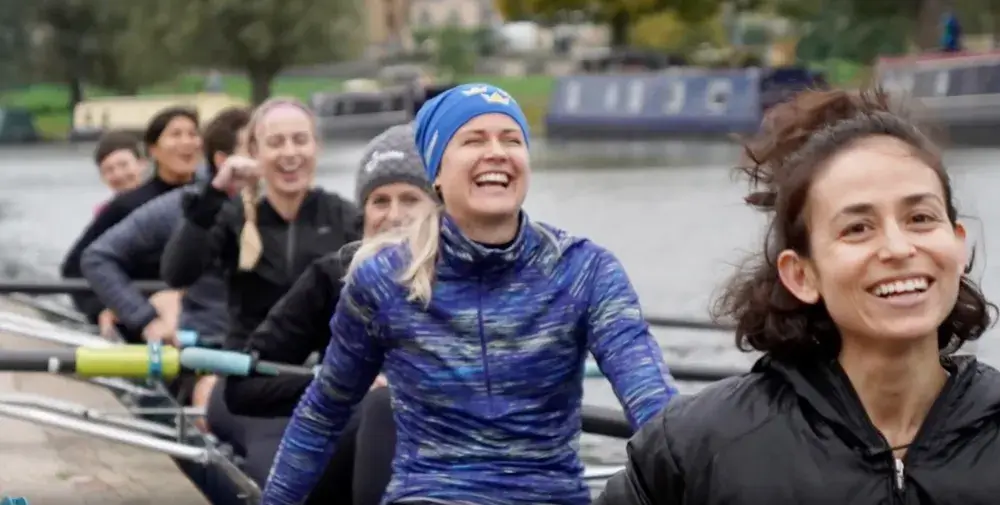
[671, 212]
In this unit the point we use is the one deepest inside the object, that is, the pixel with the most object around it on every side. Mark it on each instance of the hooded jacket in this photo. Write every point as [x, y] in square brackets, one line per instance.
[487, 380]
[209, 236]
[783, 435]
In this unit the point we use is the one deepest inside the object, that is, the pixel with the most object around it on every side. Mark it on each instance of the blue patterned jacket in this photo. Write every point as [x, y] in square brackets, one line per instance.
[487, 381]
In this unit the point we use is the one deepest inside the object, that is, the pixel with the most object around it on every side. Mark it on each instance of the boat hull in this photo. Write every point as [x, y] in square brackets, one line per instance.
[677, 104]
[221, 485]
[955, 96]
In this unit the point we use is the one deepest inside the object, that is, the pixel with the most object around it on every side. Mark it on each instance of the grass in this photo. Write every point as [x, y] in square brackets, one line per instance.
[49, 102]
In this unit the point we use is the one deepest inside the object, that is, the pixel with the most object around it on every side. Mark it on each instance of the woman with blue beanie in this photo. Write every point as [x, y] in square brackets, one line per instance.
[481, 320]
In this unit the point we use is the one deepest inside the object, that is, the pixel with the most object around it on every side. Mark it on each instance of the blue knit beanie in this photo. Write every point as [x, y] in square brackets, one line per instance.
[442, 116]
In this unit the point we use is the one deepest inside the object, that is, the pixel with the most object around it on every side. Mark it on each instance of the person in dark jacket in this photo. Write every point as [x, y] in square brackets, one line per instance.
[480, 319]
[392, 189]
[263, 245]
[140, 239]
[173, 143]
[858, 299]
[119, 161]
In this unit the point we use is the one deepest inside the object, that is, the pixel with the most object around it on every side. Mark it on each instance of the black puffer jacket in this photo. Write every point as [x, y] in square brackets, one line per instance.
[785, 436]
[210, 233]
[297, 326]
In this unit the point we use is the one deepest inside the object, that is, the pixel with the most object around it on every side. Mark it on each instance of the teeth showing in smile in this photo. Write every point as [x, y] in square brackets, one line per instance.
[493, 178]
[915, 285]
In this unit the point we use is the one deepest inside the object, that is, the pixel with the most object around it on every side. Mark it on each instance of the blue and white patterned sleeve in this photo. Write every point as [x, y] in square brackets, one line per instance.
[350, 365]
[619, 338]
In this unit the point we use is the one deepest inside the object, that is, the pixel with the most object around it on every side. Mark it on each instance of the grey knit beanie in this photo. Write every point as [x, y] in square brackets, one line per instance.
[389, 158]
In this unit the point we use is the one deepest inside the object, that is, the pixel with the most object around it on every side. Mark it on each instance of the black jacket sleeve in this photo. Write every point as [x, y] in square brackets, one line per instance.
[88, 303]
[353, 221]
[652, 475]
[297, 326]
[204, 236]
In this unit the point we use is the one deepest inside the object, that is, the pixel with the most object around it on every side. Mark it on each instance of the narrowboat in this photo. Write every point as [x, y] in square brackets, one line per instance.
[680, 102]
[93, 117]
[956, 95]
[361, 115]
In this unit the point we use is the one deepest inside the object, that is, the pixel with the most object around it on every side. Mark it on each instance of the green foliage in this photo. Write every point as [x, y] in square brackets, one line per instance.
[620, 14]
[14, 44]
[845, 32]
[260, 37]
[667, 32]
[456, 50]
[91, 40]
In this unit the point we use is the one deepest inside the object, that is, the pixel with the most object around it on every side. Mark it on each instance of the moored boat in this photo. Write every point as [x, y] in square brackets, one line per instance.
[93, 117]
[956, 94]
[675, 103]
[364, 114]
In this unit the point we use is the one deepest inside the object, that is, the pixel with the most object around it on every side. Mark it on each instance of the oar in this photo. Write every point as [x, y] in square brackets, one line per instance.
[164, 362]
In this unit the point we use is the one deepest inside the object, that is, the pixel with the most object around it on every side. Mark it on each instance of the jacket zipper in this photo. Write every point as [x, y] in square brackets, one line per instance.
[900, 476]
[898, 482]
[290, 251]
[482, 344]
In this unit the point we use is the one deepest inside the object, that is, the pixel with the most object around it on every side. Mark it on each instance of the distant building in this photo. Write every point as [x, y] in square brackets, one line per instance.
[469, 14]
[388, 27]
[392, 23]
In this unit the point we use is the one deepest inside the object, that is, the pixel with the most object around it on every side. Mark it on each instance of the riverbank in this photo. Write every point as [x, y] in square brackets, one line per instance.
[48, 102]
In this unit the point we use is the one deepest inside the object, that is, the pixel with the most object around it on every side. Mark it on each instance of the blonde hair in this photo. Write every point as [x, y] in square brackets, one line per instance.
[251, 245]
[422, 237]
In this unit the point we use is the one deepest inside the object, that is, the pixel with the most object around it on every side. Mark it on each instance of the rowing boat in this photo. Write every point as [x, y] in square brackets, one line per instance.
[162, 425]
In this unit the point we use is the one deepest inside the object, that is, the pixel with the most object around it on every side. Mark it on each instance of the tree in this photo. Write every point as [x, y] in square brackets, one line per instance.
[455, 50]
[15, 45]
[92, 42]
[620, 15]
[665, 31]
[259, 37]
[69, 41]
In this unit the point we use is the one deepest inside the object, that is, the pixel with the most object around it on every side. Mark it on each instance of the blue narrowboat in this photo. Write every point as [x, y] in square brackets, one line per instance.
[675, 103]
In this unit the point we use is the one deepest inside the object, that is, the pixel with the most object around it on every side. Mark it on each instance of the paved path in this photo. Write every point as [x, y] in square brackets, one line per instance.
[50, 466]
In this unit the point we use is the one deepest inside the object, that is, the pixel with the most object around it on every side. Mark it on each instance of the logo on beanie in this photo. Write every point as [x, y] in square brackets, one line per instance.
[476, 90]
[497, 96]
[380, 156]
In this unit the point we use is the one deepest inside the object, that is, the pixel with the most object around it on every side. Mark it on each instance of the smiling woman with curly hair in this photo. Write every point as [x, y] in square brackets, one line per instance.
[857, 299]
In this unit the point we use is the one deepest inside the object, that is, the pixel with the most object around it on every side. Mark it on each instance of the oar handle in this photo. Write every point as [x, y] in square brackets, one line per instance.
[222, 362]
[127, 361]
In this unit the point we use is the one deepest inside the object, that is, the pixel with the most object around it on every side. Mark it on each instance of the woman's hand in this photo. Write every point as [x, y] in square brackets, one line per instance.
[106, 321]
[236, 173]
[160, 330]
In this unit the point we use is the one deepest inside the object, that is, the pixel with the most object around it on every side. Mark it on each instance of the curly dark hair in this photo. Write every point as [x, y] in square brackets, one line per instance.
[781, 162]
